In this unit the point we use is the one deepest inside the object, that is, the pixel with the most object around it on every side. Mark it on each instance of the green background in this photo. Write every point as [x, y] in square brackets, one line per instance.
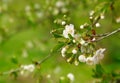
[30, 35]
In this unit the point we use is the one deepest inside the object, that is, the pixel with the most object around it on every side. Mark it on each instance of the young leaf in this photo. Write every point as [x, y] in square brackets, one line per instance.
[57, 47]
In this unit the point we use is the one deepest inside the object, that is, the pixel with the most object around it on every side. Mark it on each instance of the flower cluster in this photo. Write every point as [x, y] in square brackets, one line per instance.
[94, 59]
[25, 69]
[80, 48]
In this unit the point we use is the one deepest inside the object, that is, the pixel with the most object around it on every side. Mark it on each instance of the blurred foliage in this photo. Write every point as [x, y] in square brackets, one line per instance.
[25, 37]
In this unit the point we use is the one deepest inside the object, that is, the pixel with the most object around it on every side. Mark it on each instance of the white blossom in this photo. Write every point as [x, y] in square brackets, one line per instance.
[77, 36]
[74, 51]
[82, 41]
[48, 76]
[118, 20]
[76, 63]
[69, 29]
[102, 16]
[90, 60]
[94, 39]
[82, 58]
[99, 55]
[63, 51]
[97, 24]
[74, 41]
[83, 49]
[63, 23]
[91, 12]
[59, 4]
[82, 26]
[26, 69]
[29, 68]
[71, 76]
[91, 17]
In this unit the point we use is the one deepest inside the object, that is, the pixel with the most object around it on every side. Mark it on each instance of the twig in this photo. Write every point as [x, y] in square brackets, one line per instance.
[107, 35]
[43, 60]
[99, 35]
[18, 69]
[10, 72]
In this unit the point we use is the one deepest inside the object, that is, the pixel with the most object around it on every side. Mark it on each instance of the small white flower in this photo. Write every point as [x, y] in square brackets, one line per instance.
[71, 76]
[102, 16]
[25, 69]
[48, 76]
[90, 17]
[118, 20]
[94, 39]
[63, 51]
[97, 24]
[69, 29]
[82, 26]
[90, 60]
[99, 53]
[82, 58]
[82, 41]
[83, 49]
[91, 12]
[30, 67]
[63, 22]
[77, 36]
[59, 4]
[63, 55]
[74, 41]
[74, 51]
[76, 63]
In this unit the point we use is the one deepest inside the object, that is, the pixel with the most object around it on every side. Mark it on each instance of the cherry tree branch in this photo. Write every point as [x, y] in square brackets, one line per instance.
[18, 69]
[102, 36]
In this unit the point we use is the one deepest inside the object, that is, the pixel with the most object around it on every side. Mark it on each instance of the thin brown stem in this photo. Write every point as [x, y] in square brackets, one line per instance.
[107, 35]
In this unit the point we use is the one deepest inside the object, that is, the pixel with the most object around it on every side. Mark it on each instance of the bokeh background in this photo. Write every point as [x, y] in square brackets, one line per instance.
[25, 27]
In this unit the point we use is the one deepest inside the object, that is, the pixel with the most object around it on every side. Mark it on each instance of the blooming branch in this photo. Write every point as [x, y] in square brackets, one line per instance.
[26, 68]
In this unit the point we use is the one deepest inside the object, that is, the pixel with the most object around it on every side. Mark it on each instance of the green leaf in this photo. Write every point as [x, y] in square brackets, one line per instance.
[57, 33]
[98, 71]
[14, 60]
[64, 80]
[14, 74]
[57, 47]
[70, 36]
